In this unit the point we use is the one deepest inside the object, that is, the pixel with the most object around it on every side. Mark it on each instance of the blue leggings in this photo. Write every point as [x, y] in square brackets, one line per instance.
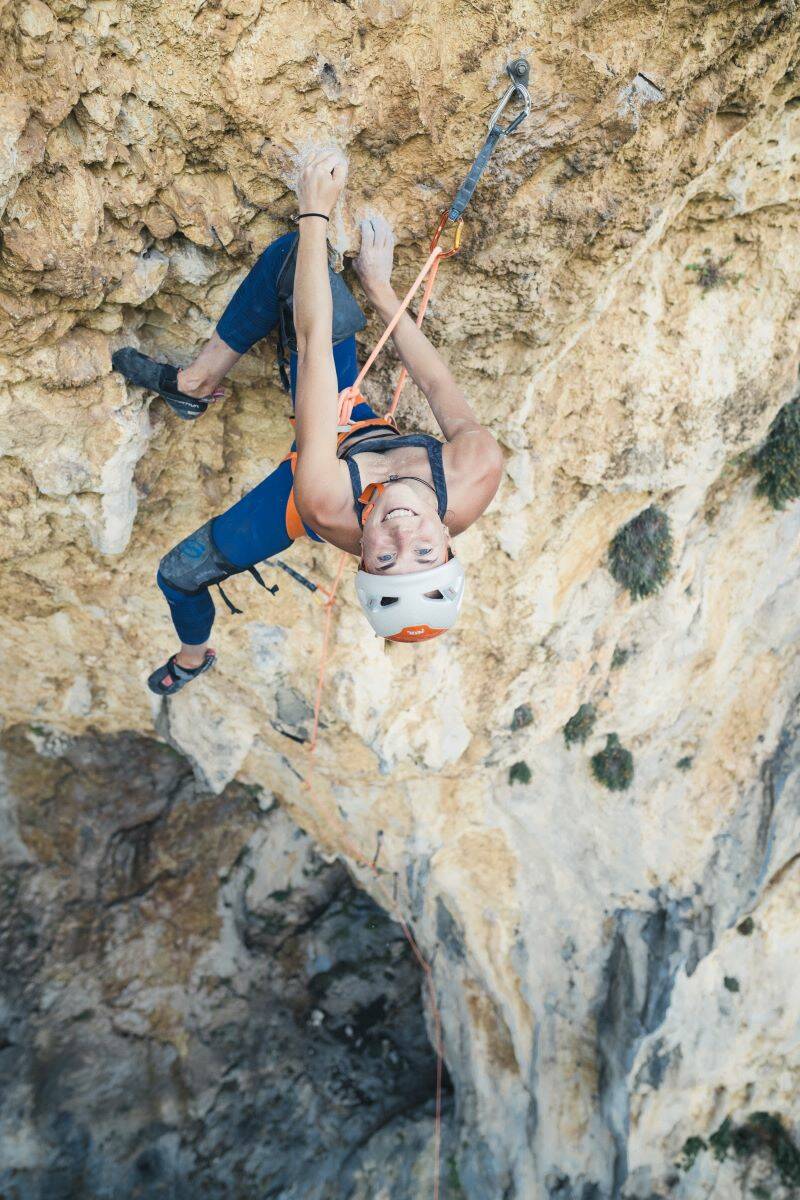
[254, 528]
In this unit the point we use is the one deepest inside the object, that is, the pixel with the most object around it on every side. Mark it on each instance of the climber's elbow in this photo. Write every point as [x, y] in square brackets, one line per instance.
[479, 458]
[491, 471]
[492, 459]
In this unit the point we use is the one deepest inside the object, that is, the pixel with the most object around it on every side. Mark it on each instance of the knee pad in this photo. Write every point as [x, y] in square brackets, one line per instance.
[196, 563]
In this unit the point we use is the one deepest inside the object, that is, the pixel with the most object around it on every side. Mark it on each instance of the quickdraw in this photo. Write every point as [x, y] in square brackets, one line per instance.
[518, 72]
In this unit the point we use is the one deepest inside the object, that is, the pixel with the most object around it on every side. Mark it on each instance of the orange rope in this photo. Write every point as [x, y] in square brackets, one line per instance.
[349, 396]
[426, 295]
[347, 399]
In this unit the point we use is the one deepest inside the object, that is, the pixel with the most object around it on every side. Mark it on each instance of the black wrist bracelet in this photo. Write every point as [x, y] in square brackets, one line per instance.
[300, 216]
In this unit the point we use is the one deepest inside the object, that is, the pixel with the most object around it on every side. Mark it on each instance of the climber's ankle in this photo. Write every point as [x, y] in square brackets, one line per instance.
[193, 381]
[190, 659]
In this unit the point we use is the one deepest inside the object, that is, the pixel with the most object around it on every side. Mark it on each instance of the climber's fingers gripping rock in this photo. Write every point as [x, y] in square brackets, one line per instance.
[321, 182]
[376, 256]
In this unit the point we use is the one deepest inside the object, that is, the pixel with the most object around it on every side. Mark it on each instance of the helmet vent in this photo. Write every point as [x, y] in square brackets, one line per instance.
[437, 595]
[387, 600]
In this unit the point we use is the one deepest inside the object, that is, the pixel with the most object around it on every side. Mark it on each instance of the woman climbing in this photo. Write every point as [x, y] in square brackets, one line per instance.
[394, 501]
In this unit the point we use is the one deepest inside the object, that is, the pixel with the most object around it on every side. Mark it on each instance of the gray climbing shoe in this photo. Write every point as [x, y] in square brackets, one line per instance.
[169, 679]
[161, 378]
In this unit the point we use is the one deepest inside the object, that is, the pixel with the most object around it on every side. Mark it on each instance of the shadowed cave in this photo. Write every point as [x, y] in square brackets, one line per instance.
[194, 1002]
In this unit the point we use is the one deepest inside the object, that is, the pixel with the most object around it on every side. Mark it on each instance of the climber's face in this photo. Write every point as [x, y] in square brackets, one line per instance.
[403, 532]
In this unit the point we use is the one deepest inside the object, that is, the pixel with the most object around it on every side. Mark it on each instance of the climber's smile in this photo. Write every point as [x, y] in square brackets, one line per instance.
[394, 513]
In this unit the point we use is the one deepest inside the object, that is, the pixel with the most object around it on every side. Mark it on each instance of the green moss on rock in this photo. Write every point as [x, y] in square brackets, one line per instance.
[762, 1134]
[456, 1191]
[766, 1131]
[520, 773]
[640, 553]
[619, 657]
[613, 766]
[691, 1148]
[580, 724]
[778, 460]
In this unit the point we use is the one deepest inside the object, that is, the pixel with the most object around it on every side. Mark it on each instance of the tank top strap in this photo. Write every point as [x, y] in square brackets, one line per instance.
[355, 484]
[435, 458]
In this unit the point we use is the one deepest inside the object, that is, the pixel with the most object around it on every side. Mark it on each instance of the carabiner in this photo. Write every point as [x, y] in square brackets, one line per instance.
[518, 71]
[456, 234]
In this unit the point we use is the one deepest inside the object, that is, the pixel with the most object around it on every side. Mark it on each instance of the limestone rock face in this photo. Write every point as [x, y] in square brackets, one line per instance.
[613, 968]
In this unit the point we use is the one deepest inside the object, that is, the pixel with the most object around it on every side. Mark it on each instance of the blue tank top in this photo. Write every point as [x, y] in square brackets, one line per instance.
[394, 441]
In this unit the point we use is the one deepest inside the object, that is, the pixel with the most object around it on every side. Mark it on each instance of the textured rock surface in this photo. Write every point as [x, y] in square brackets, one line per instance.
[583, 937]
[195, 1002]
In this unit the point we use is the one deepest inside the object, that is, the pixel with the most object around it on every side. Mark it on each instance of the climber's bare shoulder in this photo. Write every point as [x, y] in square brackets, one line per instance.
[473, 466]
[325, 503]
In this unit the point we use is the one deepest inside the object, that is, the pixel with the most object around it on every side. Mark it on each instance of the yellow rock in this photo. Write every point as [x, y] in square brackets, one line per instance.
[149, 152]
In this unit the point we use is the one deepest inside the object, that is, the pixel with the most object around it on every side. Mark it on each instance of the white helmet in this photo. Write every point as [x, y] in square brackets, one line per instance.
[398, 607]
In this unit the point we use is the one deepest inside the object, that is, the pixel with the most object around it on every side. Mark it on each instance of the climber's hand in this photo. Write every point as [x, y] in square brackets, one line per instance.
[321, 181]
[376, 256]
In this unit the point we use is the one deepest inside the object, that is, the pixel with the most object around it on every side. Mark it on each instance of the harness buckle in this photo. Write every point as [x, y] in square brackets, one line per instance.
[519, 73]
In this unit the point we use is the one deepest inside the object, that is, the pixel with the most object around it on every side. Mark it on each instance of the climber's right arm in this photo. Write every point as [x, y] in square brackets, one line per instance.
[317, 481]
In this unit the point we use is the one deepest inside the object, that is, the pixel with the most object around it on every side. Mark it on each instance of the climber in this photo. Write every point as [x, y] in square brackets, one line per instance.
[393, 501]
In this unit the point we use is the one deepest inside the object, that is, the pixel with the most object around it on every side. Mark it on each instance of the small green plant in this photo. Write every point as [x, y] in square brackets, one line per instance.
[711, 272]
[520, 773]
[455, 1190]
[778, 460]
[640, 553]
[746, 926]
[580, 724]
[523, 716]
[619, 657]
[684, 764]
[763, 1134]
[731, 983]
[765, 1130]
[691, 1148]
[613, 766]
[721, 1140]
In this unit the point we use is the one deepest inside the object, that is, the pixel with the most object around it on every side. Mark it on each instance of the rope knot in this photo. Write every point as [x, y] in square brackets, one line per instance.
[349, 397]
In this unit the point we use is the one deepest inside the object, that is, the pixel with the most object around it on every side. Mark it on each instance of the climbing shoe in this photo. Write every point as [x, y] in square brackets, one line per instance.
[169, 679]
[157, 377]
